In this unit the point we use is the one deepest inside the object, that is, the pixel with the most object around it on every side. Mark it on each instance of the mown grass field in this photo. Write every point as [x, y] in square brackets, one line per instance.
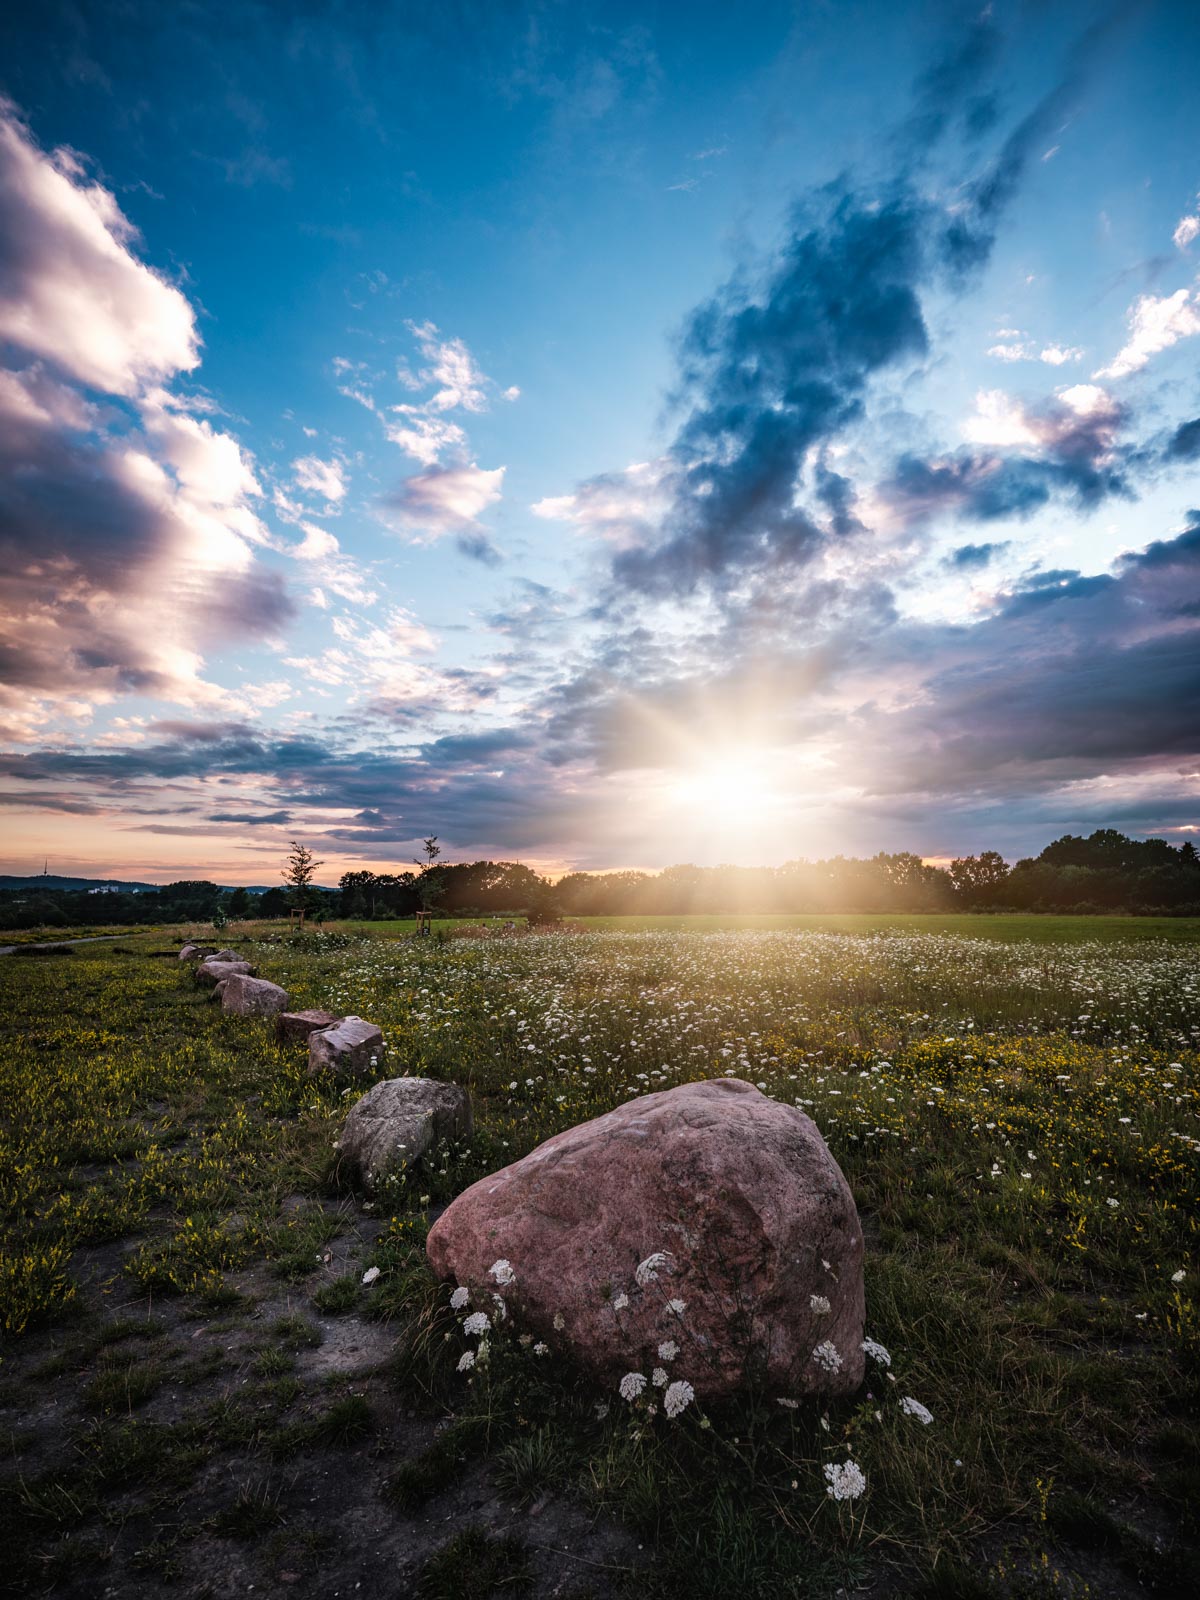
[199, 1393]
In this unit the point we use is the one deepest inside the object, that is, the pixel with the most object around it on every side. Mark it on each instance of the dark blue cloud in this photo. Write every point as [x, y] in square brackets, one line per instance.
[974, 557]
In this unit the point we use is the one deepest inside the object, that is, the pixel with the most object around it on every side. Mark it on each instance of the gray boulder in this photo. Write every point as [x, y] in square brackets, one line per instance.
[196, 952]
[251, 997]
[295, 1027]
[350, 1049]
[398, 1120]
[211, 971]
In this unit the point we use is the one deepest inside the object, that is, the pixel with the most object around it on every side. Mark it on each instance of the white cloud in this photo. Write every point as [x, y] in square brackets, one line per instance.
[423, 437]
[1011, 352]
[1187, 230]
[1155, 324]
[74, 293]
[444, 499]
[999, 420]
[616, 506]
[324, 478]
[1057, 355]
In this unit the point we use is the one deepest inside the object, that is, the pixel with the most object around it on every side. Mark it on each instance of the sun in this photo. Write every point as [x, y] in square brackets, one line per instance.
[726, 792]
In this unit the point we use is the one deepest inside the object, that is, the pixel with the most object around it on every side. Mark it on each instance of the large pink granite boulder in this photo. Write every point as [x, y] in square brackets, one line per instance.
[211, 972]
[711, 1196]
[252, 997]
[350, 1049]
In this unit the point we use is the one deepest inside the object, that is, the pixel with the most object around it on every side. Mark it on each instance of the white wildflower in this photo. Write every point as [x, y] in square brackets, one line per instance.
[370, 1274]
[659, 1377]
[845, 1479]
[620, 1302]
[541, 1348]
[676, 1307]
[649, 1269]
[914, 1408]
[503, 1273]
[477, 1322]
[632, 1385]
[826, 1356]
[819, 1304]
[877, 1352]
[466, 1361]
[501, 1308]
[678, 1398]
[788, 1405]
[559, 1323]
[1178, 1277]
[1111, 1202]
[668, 1350]
[460, 1297]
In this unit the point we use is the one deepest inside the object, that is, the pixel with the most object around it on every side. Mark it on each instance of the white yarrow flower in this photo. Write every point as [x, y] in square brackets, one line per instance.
[914, 1408]
[503, 1273]
[559, 1323]
[541, 1348]
[649, 1269]
[788, 1405]
[460, 1297]
[632, 1385]
[676, 1307]
[668, 1350]
[819, 1304]
[1178, 1277]
[659, 1377]
[466, 1361]
[370, 1274]
[477, 1322]
[620, 1302]
[826, 1356]
[877, 1352]
[845, 1479]
[678, 1398]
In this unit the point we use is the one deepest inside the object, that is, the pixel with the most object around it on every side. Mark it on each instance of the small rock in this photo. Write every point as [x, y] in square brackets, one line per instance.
[294, 1027]
[196, 952]
[226, 955]
[211, 972]
[251, 997]
[398, 1120]
[708, 1216]
[346, 1049]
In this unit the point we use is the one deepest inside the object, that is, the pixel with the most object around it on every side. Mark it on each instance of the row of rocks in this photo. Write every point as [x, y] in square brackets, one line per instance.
[348, 1047]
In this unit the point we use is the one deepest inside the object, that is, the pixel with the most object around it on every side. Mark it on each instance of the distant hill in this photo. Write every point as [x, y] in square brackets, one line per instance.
[50, 882]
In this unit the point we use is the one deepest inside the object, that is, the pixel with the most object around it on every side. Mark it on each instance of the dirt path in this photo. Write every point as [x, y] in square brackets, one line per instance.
[57, 944]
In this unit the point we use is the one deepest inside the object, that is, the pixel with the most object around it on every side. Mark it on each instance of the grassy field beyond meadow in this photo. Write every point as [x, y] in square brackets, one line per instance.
[189, 1346]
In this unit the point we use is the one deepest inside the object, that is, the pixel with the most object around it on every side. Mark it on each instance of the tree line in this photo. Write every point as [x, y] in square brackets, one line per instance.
[1105, 872]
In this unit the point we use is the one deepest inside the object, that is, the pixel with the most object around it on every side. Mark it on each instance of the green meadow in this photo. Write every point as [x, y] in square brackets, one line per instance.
[196, 1379]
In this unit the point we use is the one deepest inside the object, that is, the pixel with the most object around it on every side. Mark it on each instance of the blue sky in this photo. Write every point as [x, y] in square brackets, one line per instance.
[600, 435]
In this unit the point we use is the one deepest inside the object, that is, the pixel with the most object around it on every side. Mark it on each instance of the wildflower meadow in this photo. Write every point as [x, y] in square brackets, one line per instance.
[202, 1319]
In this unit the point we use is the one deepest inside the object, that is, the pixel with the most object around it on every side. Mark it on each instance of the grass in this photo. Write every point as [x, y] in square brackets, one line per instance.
[1013, 1102]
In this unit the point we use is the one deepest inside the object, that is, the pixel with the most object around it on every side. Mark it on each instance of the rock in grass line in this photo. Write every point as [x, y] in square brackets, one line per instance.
[294, 1027]
[211, 972]
[350, 1049]
[707, 1221]
[196, 952]
[397, 1121]
[252, 997]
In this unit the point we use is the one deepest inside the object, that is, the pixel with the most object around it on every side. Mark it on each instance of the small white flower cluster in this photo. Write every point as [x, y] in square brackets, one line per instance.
[649, 1269]
[819, 1305]
[631, 1386]
[460, 1297]
[370, 1275]
[676, 1307]
[620, 1302]
[914, 1408]
[877, 1352]
[668, 1350]
[503, 1273]
[845, 1479]
[827, 1357]
[677, 1398]
[478, 1322]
